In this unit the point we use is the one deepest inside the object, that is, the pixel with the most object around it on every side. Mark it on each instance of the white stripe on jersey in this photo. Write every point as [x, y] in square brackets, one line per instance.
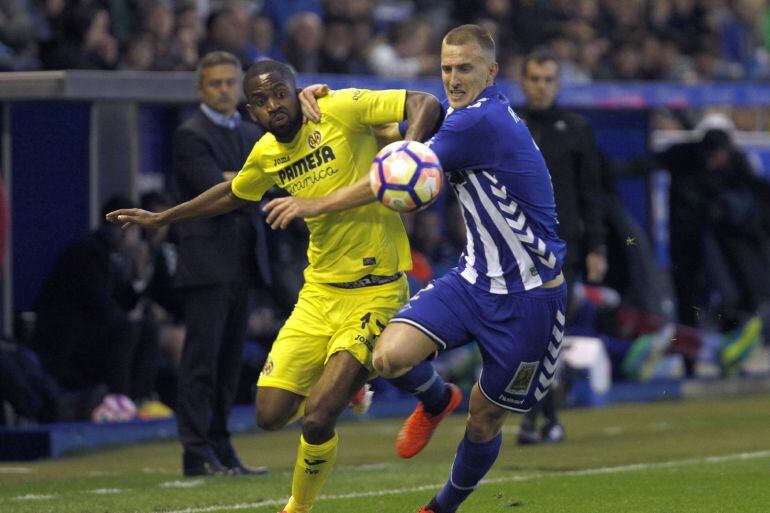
[469, 273]
[494, 269]
[522, 256]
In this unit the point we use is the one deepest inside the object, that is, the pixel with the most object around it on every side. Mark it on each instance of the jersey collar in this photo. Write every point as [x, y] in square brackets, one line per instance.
[489, 92]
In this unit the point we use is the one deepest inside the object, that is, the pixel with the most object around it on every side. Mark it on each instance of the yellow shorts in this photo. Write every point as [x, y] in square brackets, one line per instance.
[327, 320]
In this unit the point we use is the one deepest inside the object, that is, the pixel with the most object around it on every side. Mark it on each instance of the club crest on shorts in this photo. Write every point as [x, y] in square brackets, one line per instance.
[268, 368]
[522, 380]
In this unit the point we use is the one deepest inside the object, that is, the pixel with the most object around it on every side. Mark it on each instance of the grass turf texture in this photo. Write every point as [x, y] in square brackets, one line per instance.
[695, 456]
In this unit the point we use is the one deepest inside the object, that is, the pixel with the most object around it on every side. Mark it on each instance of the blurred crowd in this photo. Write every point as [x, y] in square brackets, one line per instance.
[680, 40]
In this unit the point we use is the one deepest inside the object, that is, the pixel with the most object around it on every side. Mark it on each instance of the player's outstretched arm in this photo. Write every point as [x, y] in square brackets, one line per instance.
[281, 211]
[217, 200]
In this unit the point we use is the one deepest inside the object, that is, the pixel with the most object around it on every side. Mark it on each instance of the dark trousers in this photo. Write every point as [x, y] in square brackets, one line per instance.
[216, 319]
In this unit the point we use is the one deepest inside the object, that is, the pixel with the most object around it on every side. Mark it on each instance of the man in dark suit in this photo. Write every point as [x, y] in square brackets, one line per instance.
[220, 261]
[567, 143]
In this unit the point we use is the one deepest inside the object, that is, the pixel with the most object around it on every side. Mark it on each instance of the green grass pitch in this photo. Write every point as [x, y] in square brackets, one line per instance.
[706, 456]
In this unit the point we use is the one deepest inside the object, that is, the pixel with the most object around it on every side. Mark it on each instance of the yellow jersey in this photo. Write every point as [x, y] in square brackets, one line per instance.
[323, 157]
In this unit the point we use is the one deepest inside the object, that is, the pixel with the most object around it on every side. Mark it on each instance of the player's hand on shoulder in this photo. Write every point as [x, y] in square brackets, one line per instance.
[127, 216]
[282, 211]
[308, 101]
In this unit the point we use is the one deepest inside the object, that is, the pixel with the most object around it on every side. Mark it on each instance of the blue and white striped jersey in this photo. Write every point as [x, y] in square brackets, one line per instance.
[503, 184]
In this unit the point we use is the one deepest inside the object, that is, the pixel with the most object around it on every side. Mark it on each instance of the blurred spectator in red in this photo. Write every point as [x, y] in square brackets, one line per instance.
[303, 42]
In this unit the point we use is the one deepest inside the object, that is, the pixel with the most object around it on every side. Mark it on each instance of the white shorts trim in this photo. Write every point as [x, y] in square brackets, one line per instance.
[422, 328]
[497, 403]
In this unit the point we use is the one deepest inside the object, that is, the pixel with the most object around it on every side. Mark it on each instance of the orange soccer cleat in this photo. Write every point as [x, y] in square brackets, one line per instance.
[418, 428]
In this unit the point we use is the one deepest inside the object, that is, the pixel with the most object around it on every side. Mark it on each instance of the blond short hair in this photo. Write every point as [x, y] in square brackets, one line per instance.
[466, 33]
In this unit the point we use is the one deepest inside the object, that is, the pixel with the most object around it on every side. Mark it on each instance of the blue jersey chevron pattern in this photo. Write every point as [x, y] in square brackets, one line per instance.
[505, 191]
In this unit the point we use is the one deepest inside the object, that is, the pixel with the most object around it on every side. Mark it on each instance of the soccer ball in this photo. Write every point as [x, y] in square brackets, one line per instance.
[405, 176]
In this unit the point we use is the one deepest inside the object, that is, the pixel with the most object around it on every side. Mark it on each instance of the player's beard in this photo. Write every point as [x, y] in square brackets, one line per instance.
[289, 128]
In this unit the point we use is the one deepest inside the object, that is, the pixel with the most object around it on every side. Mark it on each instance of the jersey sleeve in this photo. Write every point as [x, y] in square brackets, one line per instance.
[251, 182]
[357, 107]
[404, 125]
[460, 143]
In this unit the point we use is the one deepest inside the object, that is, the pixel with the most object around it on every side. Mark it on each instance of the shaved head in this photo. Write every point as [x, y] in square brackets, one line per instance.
[268, 67]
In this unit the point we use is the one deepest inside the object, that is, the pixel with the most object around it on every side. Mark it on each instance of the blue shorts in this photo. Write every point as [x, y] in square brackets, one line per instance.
[519, 334]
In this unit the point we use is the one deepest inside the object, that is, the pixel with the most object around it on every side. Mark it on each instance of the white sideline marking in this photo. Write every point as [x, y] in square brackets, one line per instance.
[35, 497]
[182, 484]
[159, 470]
[366, 467]
[613, 430]
[532, 477]
[106, 491]
[15, 470]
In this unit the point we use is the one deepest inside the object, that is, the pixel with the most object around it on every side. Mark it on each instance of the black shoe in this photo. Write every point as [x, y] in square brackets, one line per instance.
[552, 433]
[239, 469]
[203, 463]
[229, 459]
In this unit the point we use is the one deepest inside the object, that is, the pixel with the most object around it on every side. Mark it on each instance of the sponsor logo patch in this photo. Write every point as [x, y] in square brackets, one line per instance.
[522, 380]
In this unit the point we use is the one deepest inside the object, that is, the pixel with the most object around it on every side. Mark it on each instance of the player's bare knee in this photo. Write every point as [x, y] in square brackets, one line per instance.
[270, 423]
[317, 426]
[484, 426]
[271, 420]
[381, 363]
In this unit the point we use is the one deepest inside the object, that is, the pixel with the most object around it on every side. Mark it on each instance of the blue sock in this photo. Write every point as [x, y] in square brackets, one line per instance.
[425, 383]
[472, 462]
